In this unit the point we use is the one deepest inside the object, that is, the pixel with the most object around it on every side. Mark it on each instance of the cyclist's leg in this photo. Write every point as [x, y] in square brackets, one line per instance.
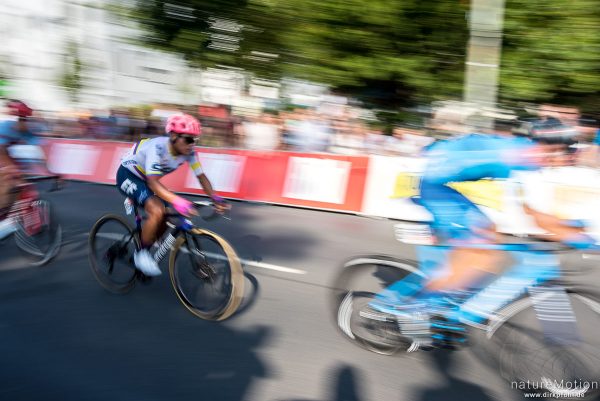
[529, 268]
[137, 190]
[8, 182]
[155, 222]
[454, 266]
[461, 225]
[465, 267]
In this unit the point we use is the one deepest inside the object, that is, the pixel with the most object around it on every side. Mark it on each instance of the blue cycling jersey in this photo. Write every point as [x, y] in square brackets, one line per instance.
[476, 156]
[9, 134]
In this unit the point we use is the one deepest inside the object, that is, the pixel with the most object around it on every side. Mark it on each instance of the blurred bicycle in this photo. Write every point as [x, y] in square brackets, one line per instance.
[531, 323]
[28, 216]
[205, 271]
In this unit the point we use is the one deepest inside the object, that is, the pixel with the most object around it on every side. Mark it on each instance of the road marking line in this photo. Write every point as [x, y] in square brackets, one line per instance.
[260, 265]
[245, 262]
[273, 267]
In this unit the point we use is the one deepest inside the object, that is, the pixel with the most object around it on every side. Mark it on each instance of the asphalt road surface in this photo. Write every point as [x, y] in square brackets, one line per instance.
[65, 338]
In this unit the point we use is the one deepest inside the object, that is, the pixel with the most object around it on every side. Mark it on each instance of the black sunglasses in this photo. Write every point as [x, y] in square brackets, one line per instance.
[188, 139]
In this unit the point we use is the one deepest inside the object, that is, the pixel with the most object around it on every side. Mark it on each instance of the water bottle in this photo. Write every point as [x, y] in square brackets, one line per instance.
[7, 227]
[128, 206]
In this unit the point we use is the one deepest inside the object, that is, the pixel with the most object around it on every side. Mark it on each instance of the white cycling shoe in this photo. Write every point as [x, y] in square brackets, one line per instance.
[146, 263]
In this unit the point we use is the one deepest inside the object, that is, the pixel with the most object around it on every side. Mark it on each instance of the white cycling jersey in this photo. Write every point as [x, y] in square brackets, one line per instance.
[151, 157]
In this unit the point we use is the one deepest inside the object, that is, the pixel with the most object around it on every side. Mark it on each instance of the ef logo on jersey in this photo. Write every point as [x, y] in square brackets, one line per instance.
[128, 187]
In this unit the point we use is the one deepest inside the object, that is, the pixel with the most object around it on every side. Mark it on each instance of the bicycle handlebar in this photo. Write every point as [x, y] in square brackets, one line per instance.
[198, 205]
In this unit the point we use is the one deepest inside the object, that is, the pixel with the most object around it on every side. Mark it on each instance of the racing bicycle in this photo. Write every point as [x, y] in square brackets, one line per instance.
[534, 324]
[204, 269]
[30, 218]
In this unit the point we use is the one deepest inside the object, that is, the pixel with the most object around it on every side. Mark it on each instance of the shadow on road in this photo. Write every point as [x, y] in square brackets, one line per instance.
[251, 294]
[347, 385]
[66, 339]
[446, 385]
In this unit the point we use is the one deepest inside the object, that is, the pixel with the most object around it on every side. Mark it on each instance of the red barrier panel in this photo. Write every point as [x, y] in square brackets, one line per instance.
[310, 180]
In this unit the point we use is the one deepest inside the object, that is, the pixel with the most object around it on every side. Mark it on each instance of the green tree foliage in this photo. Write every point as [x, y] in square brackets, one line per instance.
[207, 33]
[551, 53]
[71, 79]
[388, 53]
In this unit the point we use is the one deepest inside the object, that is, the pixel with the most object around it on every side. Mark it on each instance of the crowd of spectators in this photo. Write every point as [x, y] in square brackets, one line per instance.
[297, 130]
[300, 130]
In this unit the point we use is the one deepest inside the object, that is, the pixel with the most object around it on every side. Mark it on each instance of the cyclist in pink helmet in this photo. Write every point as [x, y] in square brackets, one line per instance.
[138, 178]
[183, 124]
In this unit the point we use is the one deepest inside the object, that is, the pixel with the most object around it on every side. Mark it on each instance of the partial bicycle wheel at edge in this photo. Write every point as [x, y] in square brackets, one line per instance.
[360, 279]
[515, 345]
[38, 235]
[112, 243]
[214, 270]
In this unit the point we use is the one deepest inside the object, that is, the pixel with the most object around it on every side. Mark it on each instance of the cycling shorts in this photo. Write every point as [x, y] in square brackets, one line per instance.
[133, 186]
[455, 218]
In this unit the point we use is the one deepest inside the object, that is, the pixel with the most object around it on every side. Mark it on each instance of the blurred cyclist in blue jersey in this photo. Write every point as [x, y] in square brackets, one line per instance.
[459, 224]
[23, 131]
[20, 130]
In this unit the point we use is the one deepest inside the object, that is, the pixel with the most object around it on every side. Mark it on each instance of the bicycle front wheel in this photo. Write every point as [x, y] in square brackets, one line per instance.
[206, 274]
[517, 345]
[355, 287]
[112, 243]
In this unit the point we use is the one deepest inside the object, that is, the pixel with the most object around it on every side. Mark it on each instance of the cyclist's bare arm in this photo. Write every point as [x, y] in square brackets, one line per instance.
[162, 192]
[207, 187]
[557, 229]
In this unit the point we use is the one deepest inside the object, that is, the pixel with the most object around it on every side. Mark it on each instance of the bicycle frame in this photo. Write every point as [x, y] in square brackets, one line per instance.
[532, 272]
[173, 231]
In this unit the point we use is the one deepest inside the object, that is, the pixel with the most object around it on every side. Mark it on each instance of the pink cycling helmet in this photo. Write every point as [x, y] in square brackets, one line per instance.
[183, 124]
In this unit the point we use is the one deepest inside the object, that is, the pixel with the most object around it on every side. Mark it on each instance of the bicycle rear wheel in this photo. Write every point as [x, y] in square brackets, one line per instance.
[206, 274]
[517, 347]
[112, 243]
[38, 233]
